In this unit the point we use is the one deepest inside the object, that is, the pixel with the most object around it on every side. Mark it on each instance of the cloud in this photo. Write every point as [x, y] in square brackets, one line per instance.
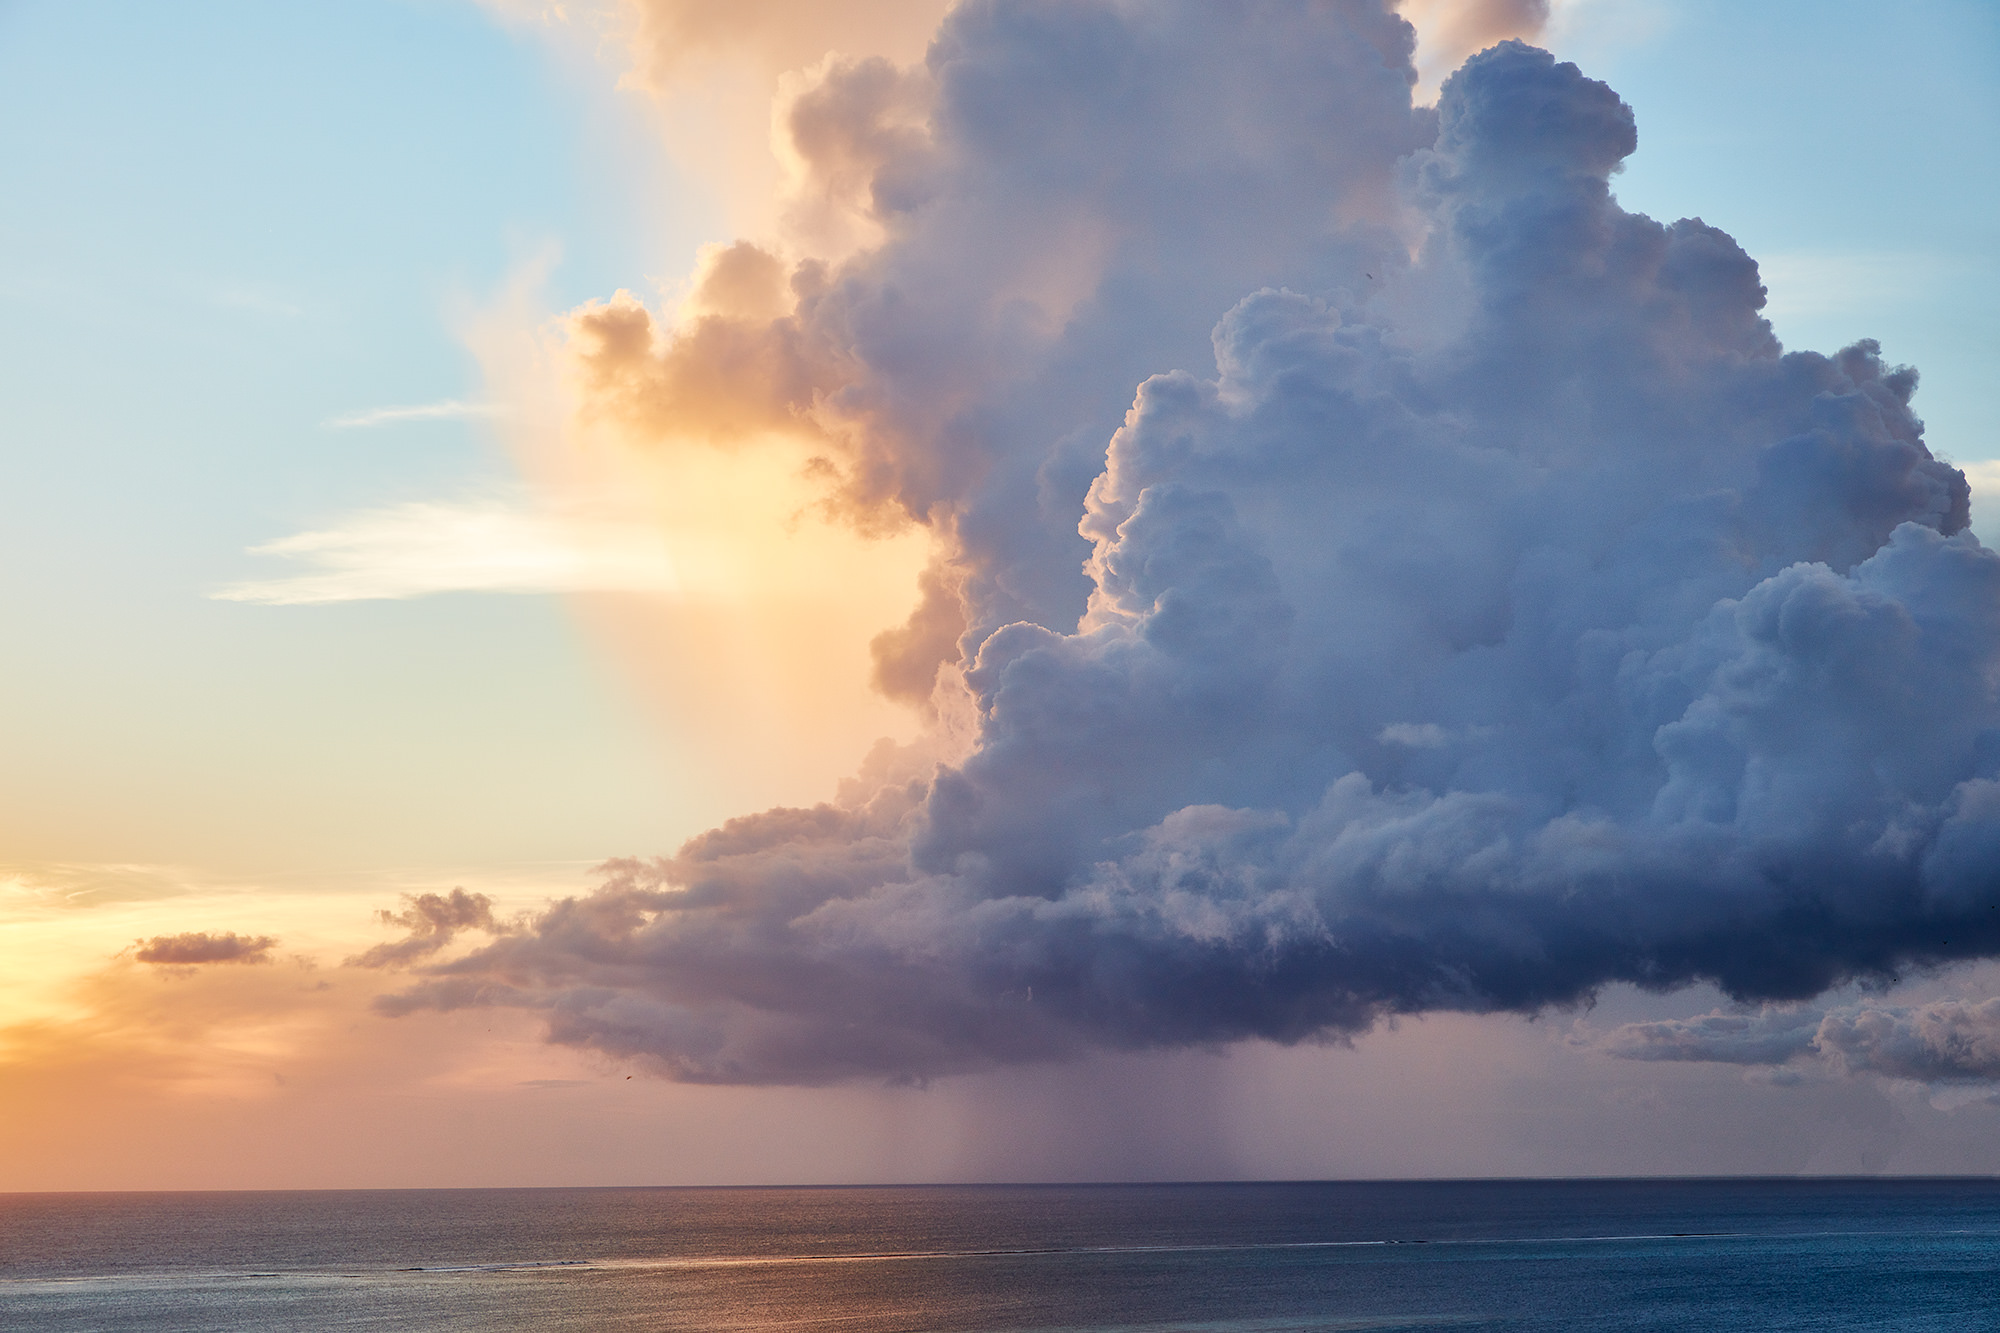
[1770, 1037]
[1031, 274]
[39, 887]
[784, 34]
[1948, 1041]
[422, 548]
[196, 946]
[432, 921]
[449, 409]
[667, 36]
[1474, 606]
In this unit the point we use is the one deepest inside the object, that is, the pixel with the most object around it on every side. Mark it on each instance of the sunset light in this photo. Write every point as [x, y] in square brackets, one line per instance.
[627, 596]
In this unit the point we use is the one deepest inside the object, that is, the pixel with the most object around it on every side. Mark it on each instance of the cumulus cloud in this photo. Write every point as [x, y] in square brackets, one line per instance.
[1474, 606]
[1040, 181]
[195, 946]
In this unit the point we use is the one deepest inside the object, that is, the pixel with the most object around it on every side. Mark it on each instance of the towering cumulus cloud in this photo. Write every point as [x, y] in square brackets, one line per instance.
[1475, 605]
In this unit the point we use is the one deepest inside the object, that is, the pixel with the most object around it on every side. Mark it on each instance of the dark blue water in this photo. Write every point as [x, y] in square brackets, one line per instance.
[1491, 1255]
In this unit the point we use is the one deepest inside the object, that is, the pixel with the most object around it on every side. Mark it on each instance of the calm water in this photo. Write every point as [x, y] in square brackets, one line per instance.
[1495, 1255]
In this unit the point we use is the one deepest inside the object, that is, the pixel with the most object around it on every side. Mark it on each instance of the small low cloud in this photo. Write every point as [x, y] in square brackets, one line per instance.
[427, 547]
[448, 409]
[1770, 1037]
[1949, 1042]
[199, 946]
[432, 921]
[1946, 1041]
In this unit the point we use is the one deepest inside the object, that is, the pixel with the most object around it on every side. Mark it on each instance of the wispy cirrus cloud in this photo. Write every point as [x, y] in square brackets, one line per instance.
[485, 545]
[36, 889]
[447, 409]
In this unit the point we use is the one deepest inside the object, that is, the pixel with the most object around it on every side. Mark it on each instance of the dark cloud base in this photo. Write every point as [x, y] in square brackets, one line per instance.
[1505, 615]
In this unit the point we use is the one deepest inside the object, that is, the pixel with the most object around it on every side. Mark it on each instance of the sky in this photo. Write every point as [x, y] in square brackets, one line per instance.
[449, 447]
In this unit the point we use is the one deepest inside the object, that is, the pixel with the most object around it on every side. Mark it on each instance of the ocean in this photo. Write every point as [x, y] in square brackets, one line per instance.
[1709, 1255]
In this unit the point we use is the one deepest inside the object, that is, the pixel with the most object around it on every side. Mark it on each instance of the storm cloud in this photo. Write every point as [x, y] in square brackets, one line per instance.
[1473, 606]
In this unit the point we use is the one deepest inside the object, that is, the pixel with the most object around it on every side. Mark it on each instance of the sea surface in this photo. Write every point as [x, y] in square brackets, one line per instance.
[1709, 1255]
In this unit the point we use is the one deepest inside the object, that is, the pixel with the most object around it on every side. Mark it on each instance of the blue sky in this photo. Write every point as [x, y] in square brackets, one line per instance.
[227, 225]
[1844, 146]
